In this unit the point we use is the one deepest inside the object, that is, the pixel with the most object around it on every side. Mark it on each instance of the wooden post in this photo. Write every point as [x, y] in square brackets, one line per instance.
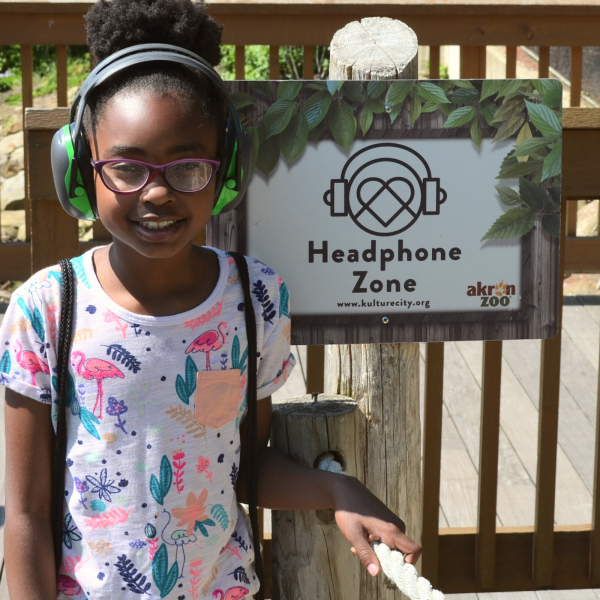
[383, 378]
[310, 556]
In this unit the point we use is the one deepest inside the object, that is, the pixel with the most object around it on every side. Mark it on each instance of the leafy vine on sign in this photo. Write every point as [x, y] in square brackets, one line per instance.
[296, 112]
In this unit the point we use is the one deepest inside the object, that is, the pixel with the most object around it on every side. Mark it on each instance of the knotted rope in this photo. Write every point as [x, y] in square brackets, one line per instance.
[402, 574]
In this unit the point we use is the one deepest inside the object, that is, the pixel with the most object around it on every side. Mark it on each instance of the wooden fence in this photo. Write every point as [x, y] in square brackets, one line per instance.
[455, 560]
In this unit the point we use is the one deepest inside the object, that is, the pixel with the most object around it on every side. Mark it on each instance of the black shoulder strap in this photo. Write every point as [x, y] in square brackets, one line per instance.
[65, 334]
[251, 416]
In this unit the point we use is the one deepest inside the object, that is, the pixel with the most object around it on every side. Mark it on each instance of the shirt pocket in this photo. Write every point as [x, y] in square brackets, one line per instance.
[217, 397]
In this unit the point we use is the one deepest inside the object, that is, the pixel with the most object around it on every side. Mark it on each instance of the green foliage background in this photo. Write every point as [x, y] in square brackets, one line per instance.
[528, 111]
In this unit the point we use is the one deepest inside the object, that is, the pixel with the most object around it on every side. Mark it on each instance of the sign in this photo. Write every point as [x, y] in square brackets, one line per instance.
[407, 211]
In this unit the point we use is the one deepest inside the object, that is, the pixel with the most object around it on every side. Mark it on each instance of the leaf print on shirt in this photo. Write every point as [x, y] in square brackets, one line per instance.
[236, 361]
[220, 514]
[135, 581]
[116, 408]
[193, 516]
[179, 463]
[88, 420]
[110, 317]
[185, 388]
[215, 311]
[102, 486]
[160, 487]
[116, 516]
[80, 271]
[195, 577]
[239, 574]
[35, 319]
[164, 578]
[186, 418]
[5, 365]
[262, 295]
[70, 532]
[210, 341]
[120, 354]
[234, 475]
[284, 301]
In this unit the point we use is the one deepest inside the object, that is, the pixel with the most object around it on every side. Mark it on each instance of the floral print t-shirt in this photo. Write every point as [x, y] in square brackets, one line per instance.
[153, 415]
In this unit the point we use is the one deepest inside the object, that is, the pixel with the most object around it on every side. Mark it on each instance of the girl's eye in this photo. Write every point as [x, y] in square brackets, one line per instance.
[127, 168]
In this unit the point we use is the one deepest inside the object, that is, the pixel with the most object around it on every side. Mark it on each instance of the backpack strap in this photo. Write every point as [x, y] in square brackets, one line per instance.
[252, 449]
[65, 335]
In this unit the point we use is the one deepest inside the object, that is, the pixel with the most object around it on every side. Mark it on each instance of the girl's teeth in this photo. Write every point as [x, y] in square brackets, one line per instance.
[155, 225]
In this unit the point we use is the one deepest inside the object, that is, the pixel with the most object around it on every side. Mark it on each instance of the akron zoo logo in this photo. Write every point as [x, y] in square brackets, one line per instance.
[492, 295]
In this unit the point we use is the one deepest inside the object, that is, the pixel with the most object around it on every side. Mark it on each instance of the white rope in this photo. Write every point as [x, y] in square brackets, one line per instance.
[402, 574]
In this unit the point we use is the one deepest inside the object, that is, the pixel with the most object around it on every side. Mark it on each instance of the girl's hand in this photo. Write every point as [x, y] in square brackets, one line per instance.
[363, 518]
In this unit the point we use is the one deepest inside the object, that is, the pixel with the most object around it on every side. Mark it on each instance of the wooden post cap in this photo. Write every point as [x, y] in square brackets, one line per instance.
[326, 405]
[374, 48]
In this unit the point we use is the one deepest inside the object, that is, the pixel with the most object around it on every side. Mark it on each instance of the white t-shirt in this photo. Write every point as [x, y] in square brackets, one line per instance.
[153, 421]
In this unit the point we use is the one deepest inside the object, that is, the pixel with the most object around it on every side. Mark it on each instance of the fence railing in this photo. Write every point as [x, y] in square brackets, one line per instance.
[455, 560]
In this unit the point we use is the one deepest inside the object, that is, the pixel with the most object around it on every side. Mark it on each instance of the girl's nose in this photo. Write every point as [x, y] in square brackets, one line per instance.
[157, 191]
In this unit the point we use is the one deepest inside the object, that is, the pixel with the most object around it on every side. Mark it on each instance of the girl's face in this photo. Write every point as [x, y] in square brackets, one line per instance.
[156, 130]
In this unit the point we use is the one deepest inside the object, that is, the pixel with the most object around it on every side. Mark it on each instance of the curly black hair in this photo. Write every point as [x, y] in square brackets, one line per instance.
[117, 24]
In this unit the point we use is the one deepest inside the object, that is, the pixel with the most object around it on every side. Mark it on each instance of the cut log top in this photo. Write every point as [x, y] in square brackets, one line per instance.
[374, 48]
[303, 406]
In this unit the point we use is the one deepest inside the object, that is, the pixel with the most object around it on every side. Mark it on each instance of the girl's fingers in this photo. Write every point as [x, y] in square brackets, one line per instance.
[368, 558]
[410, 549]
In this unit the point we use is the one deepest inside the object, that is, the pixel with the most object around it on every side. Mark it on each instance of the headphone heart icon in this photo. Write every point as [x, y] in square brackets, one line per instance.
[381, 198]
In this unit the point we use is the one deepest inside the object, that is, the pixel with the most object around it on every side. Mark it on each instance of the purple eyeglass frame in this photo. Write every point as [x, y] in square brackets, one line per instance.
[152, 170]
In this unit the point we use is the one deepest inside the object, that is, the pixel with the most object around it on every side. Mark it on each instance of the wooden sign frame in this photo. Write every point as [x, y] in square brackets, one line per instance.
[537, 316]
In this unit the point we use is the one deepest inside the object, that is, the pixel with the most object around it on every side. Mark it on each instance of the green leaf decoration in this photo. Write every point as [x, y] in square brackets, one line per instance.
[376, 88]
[190, 375]
[284, 301]
[76, 411]
[459, 83]
[268, 156]
[199, 526]
[255, 139]
[242, 363]
[354, 91]
[155, 489]
[235, 353]
[316, 85]
[554, 193]
[395, 112]
[376, 105]
[171, 580]
[490, 87]
[551, 224]
[166, 475]
[512, 224]
[181, 389]
[508, 196]
[460, 116]
[487, 109]
[532, 195]
[544, 119]
[476, 134]
[264, 88]
[430, 107]
[164, 579]
[294, 138]
[509, 127]
[397, 93]
[288, 90]
[334, 86]
[342, 124]
[531, 146]
[524, 135]
[464, 96]
[553, 162]
[517, 169]
[508, 109]
[70, 390]
[5, 363]
[278, 116]
[432, 92]
[36, 319]
[553, 98]
[88, 420]
[365, 119]
[241, 100]
[220, 514]
[547, 85]
[415, 108]
[509, 87]
[316, 107]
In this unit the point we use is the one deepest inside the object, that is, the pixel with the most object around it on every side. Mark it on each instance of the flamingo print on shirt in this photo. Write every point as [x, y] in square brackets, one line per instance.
[30, 361]
[209, 341]
[98, 369]
[234, 593]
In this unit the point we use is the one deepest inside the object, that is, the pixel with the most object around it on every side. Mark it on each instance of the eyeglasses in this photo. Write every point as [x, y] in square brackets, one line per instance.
[125, 176]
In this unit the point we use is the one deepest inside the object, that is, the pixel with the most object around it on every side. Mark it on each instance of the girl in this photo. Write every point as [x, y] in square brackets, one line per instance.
[156, 437]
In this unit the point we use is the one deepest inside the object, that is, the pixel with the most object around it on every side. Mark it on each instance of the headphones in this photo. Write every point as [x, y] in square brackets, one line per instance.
[71, 166]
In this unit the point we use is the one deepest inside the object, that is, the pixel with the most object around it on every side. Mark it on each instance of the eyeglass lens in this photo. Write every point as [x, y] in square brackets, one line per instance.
[185, 176]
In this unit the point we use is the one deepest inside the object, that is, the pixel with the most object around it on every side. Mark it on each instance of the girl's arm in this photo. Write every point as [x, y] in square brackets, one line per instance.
[28, 548]
[285, 485]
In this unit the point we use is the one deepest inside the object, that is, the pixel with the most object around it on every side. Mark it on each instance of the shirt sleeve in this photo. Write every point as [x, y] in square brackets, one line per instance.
[275, 361]
[27, 340]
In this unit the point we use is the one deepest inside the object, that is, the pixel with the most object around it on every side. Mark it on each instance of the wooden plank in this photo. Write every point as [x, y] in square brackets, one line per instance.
[432, 449]
[434, 62]
[100, 233]
[582, 255]
[41, 182]
[488, 464]
[544, 63]
[576, 74]
[511, 62]
[62, 84]
[579, 148]
[308, 69]
[240, 62]
[315, 369]
[15, 262]
[572, 218]
[581, 118]
[46, 118]
[27, 101]
[472, 62]
[274, 62]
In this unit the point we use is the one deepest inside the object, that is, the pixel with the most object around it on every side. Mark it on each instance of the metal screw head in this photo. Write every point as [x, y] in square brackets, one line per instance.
[385, 320]
[315, 396]
[388, 108]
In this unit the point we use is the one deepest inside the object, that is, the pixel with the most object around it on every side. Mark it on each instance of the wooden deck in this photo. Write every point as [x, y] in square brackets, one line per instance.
[518, 436]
